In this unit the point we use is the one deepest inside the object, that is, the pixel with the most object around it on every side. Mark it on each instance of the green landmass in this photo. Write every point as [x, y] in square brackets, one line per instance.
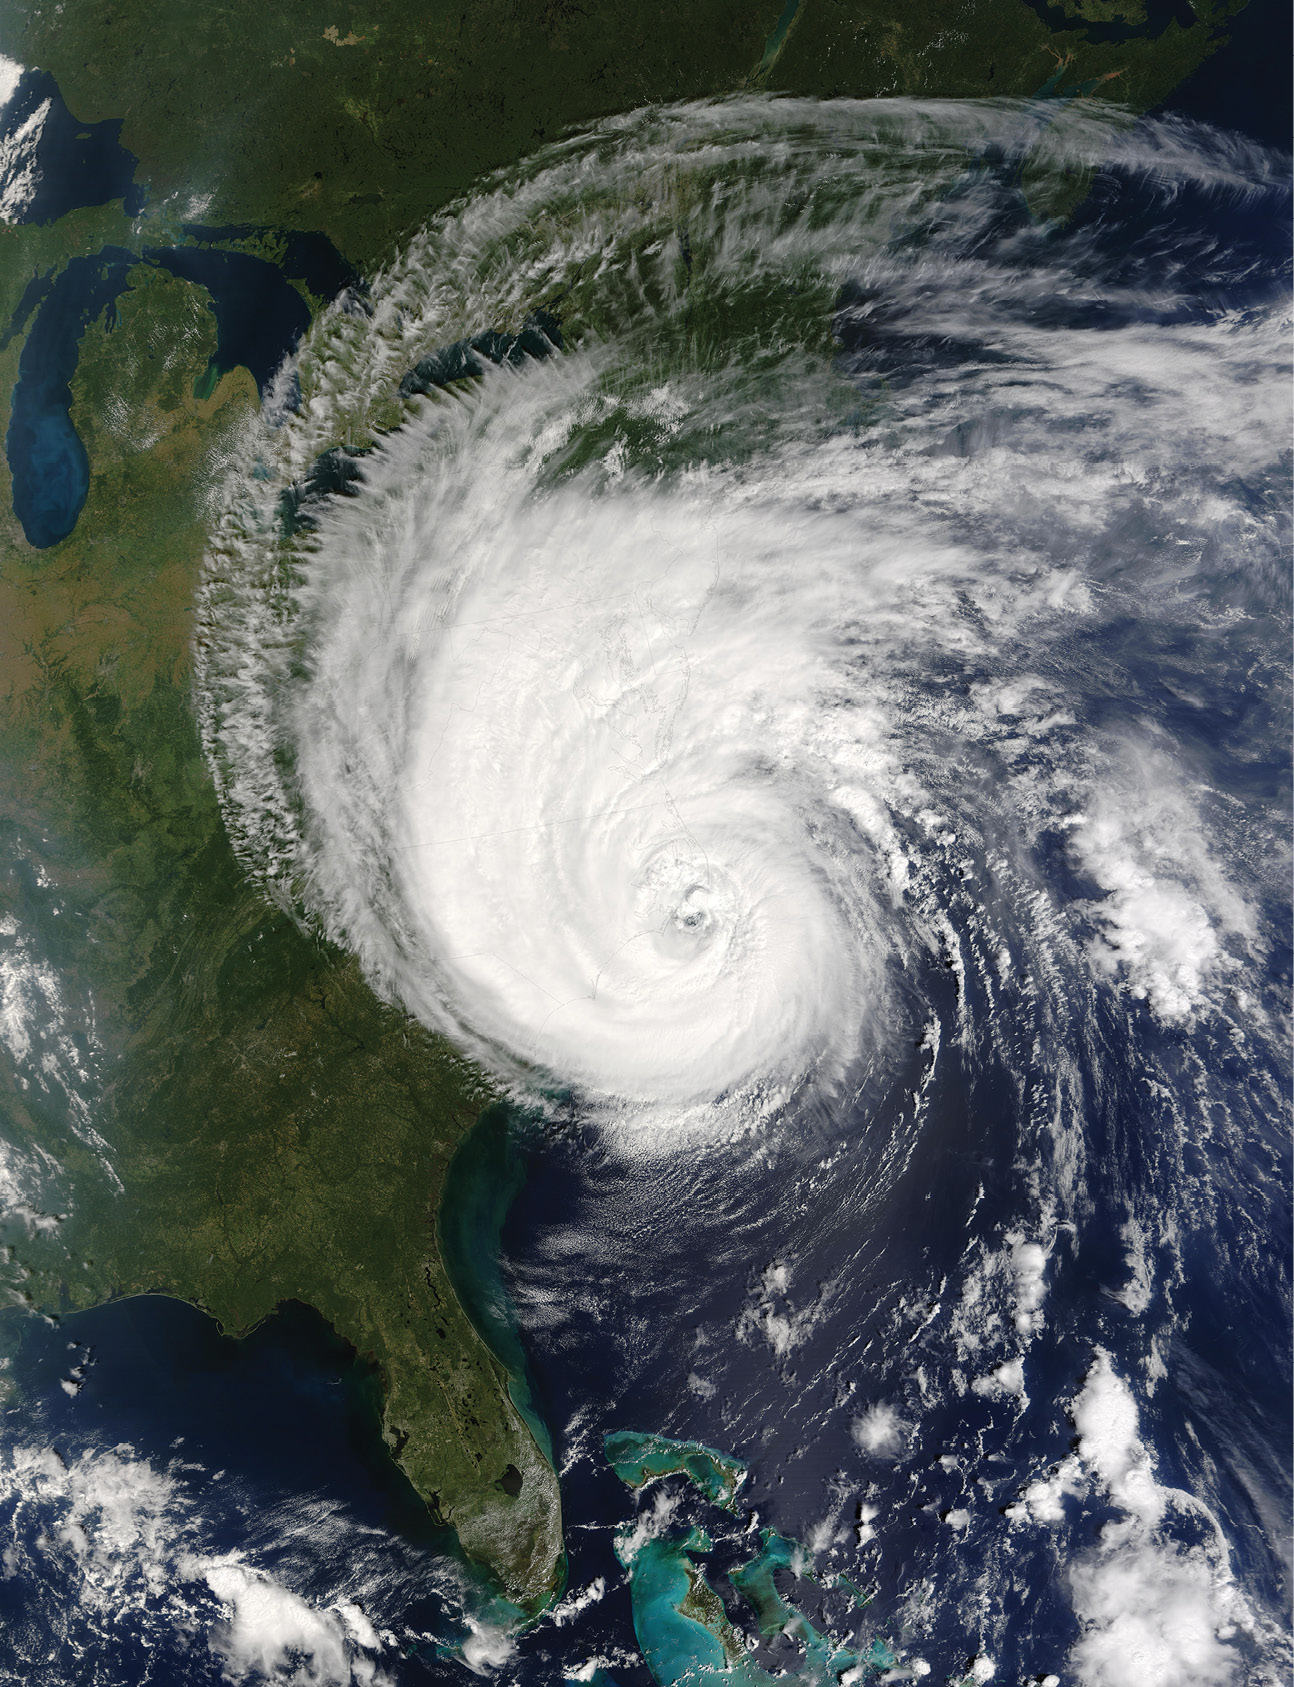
[361, 120]
[638, 1459]
[276, 1132]
[261, 1127]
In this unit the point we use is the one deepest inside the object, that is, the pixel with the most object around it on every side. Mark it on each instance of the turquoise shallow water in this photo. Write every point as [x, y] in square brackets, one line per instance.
[682, 1623]
[637, 1459]
[485, 1177]
[677, 1648]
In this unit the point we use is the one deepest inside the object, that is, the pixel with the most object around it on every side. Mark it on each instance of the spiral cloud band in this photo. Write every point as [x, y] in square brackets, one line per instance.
[674, 582]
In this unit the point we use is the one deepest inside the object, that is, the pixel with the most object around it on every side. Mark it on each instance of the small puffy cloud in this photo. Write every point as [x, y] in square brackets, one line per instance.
[1028, 1271]
[880, 1431]
[1007, 1379]
[570, 1607]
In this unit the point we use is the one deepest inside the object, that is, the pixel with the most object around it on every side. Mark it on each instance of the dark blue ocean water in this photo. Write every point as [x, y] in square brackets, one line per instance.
[168, 1367]
[1159, 15]
[272, 1441]
[1244, 87]
[765, 1297]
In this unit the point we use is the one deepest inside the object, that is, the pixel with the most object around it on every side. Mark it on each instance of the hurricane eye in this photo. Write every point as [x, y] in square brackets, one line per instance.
[625, 715]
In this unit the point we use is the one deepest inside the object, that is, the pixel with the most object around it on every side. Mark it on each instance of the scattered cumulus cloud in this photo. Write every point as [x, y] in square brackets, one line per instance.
[880, 1431]
[1169, 911]
[1028, 1270]
[487, 1647]
[269, 1632]
[111, 1540]
[1155, 1598]
[567, 1609]
[52, 1040]
[774, 1316]
[1006, 1380]
[1153, 1616]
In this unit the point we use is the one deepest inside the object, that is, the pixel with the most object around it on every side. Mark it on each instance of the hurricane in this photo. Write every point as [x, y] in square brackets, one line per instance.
[770, 619]
[677, 651]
